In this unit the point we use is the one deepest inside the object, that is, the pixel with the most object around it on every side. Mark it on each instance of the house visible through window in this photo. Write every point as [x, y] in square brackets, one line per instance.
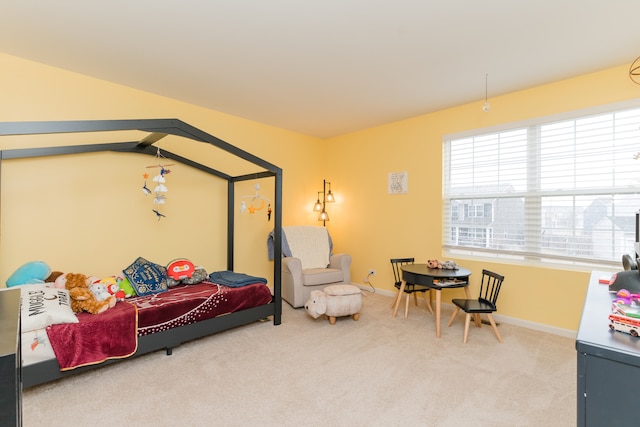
[563, 190]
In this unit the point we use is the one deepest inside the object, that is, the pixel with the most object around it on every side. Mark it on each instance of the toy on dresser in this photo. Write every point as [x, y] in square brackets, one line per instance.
[625, 313]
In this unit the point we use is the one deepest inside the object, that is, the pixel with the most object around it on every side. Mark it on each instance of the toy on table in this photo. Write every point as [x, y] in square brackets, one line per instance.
[445, 265]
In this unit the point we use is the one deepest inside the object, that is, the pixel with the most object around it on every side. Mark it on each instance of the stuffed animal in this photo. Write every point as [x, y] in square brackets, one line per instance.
[447, 265]
[53, 276]
[126, 287]
[628, 279]
[434, 263]
[112, 284]
[61, 281]
[99, 290]
[335, 301]
[82, 299]
[181, 271]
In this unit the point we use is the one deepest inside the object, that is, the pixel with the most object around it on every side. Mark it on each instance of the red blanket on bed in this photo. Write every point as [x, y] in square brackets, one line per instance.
[186, 304]
[96, 338]
[113, 334]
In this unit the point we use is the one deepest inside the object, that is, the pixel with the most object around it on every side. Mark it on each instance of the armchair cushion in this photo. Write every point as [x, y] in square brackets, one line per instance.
[321, 276]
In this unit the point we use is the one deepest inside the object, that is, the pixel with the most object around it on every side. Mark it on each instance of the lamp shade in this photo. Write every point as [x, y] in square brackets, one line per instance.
[330, 197]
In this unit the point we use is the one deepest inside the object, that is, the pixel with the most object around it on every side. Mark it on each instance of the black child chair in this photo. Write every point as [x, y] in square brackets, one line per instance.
[486, 303]
[409, 289]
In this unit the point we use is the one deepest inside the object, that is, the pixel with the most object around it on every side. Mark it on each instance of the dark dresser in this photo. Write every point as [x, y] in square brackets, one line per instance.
[608, 364]
[10, 359]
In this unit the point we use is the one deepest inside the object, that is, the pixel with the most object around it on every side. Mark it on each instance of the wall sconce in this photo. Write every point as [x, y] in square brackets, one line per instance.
[320, 206]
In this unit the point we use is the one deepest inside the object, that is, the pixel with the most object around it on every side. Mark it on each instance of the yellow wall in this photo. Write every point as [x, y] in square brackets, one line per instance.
[374, 226]
[366, 222]
[87, 213]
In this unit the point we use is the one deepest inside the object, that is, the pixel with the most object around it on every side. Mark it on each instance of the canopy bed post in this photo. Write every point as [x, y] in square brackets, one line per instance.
[230, 223]
[277, 243]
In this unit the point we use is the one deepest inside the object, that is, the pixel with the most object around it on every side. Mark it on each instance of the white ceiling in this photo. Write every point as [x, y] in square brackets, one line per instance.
[325, 68]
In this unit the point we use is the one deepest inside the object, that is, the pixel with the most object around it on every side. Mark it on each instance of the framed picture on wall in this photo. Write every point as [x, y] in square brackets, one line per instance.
[398, 182]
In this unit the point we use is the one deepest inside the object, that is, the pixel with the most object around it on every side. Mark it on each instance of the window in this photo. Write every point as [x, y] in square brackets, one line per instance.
[474, 210]
[563, 190]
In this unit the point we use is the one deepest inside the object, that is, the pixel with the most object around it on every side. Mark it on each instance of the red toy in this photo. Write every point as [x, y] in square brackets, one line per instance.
[180, 269]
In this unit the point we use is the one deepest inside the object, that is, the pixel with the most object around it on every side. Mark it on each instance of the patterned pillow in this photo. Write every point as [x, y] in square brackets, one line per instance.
[146, 277]
[42, 306]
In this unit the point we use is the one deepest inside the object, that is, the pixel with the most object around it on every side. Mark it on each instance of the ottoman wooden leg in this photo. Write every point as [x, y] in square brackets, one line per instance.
[356, 316]
[332, 320]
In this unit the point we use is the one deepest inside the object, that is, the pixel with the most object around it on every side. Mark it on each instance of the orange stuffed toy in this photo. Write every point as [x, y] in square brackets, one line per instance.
[82, 299]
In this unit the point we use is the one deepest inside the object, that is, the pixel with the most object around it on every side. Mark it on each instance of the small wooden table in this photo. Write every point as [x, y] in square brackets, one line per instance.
[436, 279]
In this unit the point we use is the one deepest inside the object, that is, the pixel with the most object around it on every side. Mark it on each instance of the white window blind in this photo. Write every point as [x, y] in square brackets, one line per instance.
[564, 191]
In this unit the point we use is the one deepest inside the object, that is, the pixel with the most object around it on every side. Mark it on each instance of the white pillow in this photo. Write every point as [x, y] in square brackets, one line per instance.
[42, 306]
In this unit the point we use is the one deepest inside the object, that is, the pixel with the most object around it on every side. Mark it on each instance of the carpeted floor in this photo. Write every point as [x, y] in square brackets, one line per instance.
[378, 371]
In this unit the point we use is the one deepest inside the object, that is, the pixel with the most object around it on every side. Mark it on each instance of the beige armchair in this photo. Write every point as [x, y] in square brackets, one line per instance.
[297, 283]
[308, 263]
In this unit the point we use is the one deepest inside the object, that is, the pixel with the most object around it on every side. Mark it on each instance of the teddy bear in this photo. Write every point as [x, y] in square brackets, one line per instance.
[434, 263]
[446, 265]
[81, 297]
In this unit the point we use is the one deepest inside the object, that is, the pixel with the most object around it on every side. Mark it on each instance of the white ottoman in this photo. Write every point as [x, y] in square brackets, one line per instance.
[335, 301]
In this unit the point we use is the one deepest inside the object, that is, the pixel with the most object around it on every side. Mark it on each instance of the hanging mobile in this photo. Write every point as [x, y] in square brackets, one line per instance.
[160, 189]
[244, 206]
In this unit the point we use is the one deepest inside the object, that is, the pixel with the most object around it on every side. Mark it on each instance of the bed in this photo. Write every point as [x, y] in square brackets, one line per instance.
[140, 325]
[164, 333]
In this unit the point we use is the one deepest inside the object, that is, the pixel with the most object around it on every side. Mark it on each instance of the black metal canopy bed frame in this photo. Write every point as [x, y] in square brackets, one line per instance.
[154, 130]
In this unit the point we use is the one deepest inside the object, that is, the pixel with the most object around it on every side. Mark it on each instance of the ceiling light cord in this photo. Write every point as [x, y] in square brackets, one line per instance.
[486, 107]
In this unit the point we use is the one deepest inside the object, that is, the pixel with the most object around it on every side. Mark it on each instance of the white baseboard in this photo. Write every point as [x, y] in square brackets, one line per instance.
[498, 317]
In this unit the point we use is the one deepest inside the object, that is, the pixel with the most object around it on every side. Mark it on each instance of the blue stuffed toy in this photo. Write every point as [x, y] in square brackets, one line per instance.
[29, 273]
